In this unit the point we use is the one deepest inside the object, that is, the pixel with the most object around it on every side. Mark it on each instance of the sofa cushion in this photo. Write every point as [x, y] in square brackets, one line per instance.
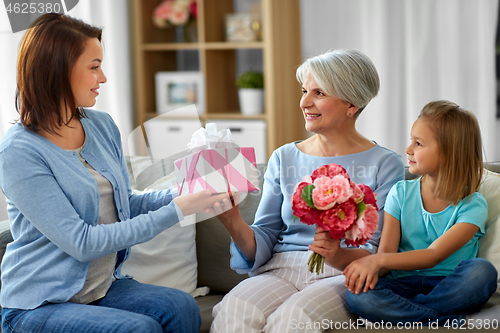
[169, 259]
[489, 244]
[212, 245]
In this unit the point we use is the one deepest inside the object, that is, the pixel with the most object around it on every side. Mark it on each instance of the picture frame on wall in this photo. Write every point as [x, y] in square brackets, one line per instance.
[175, 90]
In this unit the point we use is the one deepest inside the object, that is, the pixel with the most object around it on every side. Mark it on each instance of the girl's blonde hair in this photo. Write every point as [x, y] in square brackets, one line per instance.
[346, 74]
[459, 141]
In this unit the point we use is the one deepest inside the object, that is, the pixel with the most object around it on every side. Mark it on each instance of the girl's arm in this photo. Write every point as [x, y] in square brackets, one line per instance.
[366, 272]
[378, 264]
[443, 247]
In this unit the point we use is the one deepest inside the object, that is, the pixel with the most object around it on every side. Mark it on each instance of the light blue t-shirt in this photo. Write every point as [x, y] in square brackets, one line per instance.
[275, 228]
[419, 228]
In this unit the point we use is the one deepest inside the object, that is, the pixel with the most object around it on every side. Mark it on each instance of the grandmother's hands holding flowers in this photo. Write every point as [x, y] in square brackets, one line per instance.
[325, 245]
[329, 199]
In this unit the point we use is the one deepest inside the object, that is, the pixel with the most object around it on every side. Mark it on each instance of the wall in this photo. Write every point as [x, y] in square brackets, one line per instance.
[424, 50]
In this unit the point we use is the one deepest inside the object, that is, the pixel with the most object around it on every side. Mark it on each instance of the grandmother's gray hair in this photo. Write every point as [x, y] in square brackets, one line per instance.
[346, 74]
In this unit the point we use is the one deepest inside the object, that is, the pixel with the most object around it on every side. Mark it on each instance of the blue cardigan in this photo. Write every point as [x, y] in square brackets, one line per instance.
[53, 205]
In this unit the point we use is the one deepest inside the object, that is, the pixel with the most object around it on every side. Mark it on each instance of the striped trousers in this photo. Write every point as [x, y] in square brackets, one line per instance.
[283, 296]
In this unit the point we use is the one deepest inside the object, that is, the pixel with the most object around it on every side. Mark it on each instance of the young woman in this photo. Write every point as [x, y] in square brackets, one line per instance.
[431, 230]
[72, 213]
[282, 295]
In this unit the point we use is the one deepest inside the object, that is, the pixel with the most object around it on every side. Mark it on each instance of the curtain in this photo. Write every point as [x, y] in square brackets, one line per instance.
[424, 50]
[115, 96]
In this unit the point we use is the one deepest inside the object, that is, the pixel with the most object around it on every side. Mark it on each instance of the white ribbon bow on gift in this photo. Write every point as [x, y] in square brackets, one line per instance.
[210, 138]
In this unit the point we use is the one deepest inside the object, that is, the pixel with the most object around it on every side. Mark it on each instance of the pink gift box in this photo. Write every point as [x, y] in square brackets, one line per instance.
[219, 170]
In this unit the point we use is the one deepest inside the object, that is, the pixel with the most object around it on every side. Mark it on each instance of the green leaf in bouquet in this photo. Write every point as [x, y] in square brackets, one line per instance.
[307, 195]
[361, 207]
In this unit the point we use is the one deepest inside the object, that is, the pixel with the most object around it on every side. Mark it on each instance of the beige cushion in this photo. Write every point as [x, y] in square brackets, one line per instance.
[489, 244]
[169, 259]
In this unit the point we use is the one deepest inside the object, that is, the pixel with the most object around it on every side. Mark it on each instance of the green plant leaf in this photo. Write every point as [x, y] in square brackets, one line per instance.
[307, 195]
[251, 79]
[361, 207]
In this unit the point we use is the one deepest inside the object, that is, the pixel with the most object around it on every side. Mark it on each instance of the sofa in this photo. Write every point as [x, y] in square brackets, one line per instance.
[213, 277]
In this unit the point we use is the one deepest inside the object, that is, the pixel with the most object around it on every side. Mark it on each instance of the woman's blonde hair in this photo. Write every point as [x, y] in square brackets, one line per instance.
[346, 74]
[459, 140]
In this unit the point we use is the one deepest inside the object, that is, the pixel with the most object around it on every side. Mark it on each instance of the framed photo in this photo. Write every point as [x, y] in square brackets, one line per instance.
[239, 28]
[175, 90]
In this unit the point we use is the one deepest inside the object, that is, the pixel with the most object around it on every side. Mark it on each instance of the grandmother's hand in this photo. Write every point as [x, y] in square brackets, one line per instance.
[227, 210]
[325, 245]
[199, 201]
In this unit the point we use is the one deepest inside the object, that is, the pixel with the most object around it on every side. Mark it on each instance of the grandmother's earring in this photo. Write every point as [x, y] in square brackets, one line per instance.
[349, 114]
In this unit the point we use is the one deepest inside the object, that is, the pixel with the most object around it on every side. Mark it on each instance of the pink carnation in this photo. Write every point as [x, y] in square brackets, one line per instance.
[179, 14]
[301, 209]
[307, 179]
[338, 219]
[364, 227]
[163, 10]
[329, 170]
[357, 194]
[370, 198]
[193, 8]
[331, 191]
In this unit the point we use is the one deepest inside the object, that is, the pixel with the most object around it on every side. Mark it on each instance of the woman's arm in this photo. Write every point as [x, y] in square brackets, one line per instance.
[253, 245]
[241, 233]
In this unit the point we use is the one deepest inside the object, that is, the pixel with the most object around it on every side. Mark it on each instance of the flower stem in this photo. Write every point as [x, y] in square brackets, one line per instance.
[316, 262]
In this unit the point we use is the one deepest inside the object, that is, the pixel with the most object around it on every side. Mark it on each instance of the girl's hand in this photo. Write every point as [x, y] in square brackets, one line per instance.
[199, 201]
[362, 274]
[325, 245]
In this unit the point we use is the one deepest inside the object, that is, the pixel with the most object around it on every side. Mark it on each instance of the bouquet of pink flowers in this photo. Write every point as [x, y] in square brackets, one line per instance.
[174, 12]
[330, 199]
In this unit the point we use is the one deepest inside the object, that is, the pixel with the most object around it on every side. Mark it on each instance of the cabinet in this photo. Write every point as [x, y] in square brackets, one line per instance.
[157, 50]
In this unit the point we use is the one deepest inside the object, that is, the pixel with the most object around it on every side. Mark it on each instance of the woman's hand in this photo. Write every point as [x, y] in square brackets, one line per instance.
[243, 236]
[362, 274]
[325, 245]
[227, 210]
[199, 201]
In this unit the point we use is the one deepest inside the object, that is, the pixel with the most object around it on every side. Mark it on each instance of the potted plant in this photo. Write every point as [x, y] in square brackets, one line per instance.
[251, 92]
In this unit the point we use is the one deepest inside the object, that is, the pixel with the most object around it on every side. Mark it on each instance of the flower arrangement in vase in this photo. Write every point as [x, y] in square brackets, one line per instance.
[177, 13]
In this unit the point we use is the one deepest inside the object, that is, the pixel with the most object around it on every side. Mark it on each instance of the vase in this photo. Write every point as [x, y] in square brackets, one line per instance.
[187, 33]
[251, 101]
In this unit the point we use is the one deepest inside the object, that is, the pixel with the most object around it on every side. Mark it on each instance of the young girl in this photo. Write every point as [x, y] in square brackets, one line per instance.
[431, 229]
[72, 213]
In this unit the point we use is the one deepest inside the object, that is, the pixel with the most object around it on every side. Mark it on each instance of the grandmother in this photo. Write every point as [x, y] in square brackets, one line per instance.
[281, 294]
